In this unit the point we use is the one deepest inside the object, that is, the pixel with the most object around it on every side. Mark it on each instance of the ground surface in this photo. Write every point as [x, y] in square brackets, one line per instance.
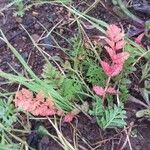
[89, 134]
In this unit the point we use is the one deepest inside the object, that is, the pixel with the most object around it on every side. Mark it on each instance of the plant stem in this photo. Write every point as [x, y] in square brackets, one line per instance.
[128, 13]
[106, 87]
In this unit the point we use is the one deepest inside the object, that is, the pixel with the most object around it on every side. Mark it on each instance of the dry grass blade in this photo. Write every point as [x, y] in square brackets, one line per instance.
[64, 143]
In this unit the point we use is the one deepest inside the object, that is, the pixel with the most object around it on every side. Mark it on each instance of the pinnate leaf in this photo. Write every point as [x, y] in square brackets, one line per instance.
[111, 70]
[113, 117]
[115, 41]
[101, 91]
[113, 32]
[120, 57]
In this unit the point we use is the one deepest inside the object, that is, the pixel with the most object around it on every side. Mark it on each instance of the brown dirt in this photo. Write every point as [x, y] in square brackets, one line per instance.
[87, 129]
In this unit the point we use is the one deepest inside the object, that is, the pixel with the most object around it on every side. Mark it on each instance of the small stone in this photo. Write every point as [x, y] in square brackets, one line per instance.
[24, 38]
[18, 19]
[15, 45]
[34, 13]
[37, 26]
[35, 37]
[48, 42]
[20, 50]
[24, 55]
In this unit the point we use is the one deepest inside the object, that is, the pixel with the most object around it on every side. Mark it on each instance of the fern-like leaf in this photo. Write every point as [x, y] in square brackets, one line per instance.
[94, 74]
[97, 108]
[113, 117]
[52, 76]
[7, 113]
[70, 89]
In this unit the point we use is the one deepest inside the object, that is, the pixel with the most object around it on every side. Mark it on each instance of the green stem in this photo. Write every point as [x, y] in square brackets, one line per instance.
[106, 87]
[128, 13]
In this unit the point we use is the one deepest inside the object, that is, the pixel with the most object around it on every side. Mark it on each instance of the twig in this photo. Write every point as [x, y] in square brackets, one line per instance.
[127, 137]
[106, 87]
[108, 139]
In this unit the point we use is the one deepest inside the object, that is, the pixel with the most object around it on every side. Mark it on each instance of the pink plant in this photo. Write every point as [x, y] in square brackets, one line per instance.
[69, 117]
[115, 43]
[111, 70]
[138, 39]
[38, 105]
[101, 91]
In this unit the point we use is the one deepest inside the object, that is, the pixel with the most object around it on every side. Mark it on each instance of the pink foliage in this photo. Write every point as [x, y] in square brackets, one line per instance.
[116, 42]
[138, 39]
[111, 69]
[101, 91]
[69, 117]
[120, 58]
[38, 105]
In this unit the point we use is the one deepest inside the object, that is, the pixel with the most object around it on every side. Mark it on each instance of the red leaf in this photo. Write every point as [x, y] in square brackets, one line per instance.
[111, 70]
[99, 90]
[113, 31]
[106, 67]
[110, 51]
[138, 40]
[116, 69]
[120, 58]
[111, 90]
[110, 43]
[119, 37]
[120, 45]
[69, 117]
[38, 106]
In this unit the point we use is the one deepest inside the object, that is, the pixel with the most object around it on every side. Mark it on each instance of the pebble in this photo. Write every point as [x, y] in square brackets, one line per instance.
[24, 55]
[37, 26]
[18, 19]
[48, 42]
[35, 14]
[35, 37]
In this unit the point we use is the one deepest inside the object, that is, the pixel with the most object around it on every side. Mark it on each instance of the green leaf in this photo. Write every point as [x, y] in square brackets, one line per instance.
[70, 88]
[113, 117]
[20, 8]
[97, 108]
[94, 73]
[7, 113]
[52, 76]
[42, 131]
[143, 113]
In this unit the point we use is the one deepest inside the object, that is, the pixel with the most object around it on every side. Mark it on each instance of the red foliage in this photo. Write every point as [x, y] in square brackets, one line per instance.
[111, 70]
[69, 117]
[115, 41]
[101, 91]
[38, 105]
[138, 39]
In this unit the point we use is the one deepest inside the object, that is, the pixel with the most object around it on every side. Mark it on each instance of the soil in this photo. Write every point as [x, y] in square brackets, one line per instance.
[89, 134]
